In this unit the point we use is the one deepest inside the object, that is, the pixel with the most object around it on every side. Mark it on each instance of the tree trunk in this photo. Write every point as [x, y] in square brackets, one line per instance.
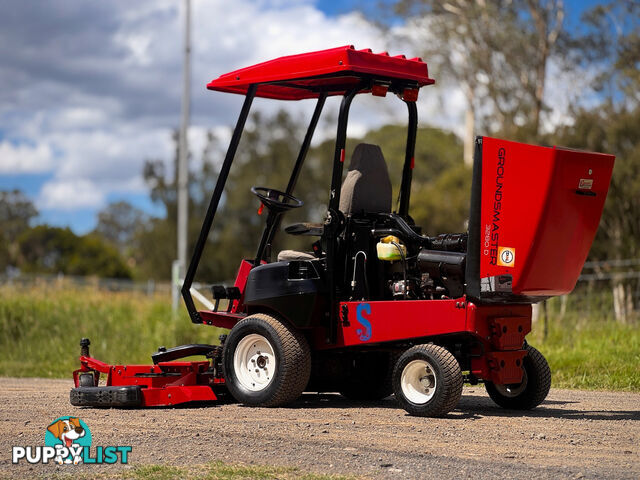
[548, 17]
[469, 127]
[620, 302]
[563, 305]
[545, 325]
[535, 313]
[541, 72]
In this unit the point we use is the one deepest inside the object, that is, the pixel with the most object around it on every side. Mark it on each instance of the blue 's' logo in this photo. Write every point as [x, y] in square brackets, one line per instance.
[364, 334]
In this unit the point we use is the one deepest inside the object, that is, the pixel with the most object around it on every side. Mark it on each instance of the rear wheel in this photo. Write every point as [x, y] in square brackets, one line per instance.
[427, 381]
[531, 392]
[266, 363]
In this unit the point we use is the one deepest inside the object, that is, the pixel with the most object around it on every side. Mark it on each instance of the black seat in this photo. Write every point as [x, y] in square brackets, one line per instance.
[366, 189]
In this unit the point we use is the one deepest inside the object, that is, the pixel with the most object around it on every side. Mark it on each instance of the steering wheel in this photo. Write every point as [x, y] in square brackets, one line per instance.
[276, 200]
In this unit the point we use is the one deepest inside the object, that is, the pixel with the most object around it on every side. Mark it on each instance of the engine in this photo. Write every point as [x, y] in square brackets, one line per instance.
[433, 273]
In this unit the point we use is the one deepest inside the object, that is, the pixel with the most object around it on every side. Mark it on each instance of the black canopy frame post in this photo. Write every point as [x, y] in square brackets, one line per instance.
[273, 219]
[213, 205]
[409, 159]
[333, 222]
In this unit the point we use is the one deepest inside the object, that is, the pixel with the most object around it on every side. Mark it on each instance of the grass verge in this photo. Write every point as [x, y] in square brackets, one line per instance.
[40, 329]
[594, 354]
[210, 471]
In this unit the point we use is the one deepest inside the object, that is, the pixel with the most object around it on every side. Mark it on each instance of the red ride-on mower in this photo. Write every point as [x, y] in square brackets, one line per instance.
[377, 306]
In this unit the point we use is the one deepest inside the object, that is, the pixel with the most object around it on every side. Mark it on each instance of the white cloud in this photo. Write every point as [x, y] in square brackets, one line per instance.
[69, 195]
[80, 117]
[23, 158]
[95, 90]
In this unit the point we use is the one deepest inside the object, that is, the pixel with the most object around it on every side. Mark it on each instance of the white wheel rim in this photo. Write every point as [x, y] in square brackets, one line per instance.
[513, 389]
[254, 362]
[418, 381]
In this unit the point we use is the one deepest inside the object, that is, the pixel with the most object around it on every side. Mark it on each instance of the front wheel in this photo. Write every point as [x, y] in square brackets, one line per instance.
[427, 381]
[266, 363]
[531, 392]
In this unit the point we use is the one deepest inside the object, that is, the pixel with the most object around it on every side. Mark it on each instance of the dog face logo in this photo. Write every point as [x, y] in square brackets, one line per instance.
[67, 430]
[68, 435]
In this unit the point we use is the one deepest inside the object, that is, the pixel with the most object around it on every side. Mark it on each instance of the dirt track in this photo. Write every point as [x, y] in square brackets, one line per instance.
[574, 434]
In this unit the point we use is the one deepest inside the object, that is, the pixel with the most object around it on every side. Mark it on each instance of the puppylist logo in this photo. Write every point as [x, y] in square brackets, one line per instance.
[67, 440]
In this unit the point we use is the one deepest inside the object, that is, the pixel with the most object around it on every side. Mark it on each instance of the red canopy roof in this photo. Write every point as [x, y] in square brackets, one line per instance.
[333, 71]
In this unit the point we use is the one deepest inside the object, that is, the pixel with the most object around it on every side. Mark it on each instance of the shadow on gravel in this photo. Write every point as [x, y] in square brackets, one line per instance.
[478, 407]
[334, 400]
[472, 407]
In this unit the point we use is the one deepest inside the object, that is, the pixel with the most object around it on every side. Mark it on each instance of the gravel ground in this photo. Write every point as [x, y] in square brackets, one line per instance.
[573, 434]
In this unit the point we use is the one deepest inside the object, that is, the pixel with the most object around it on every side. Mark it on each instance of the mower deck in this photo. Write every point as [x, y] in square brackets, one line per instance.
[166, 383]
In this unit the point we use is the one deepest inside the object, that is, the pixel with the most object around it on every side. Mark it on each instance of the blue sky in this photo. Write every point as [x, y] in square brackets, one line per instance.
[92, 89]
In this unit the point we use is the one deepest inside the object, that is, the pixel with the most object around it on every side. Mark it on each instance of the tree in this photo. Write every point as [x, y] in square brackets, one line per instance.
[611, 43]
[266, 157]
[548, 16]
[16, 212]
[45, 249]
[119, 224]
[440, 192]
[497, 52]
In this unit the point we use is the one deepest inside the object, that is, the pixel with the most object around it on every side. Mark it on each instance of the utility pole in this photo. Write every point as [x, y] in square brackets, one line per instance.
[179, 266]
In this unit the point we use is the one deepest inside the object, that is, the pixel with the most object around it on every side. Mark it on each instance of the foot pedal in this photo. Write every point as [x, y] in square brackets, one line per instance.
[128, 396]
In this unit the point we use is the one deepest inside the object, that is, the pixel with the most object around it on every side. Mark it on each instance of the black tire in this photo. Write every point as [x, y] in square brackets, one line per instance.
[292, 362]
[370, 378]
[445, 381]
[86, 380]
[534, 388]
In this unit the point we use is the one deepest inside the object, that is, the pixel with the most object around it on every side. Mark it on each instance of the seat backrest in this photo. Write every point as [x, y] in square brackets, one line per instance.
[367, 187]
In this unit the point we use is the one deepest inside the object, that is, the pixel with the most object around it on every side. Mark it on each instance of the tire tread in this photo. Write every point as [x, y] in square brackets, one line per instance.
[452, 381]
[539, 378]
[294, 368]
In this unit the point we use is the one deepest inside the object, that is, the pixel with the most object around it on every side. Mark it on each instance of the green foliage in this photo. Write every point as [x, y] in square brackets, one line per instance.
[119, 224]
[610, 38]
[436, 151]
[442, 206]
[441, 186]
[265, 157]
[45, 249]
[16, 212]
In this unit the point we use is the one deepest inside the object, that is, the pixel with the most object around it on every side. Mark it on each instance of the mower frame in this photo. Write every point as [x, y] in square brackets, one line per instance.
[301, 312]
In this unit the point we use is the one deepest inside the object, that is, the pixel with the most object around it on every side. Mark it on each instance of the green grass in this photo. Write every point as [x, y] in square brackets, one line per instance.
[589, 353]
[40, 330]
[224, 471]
[211, 471]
